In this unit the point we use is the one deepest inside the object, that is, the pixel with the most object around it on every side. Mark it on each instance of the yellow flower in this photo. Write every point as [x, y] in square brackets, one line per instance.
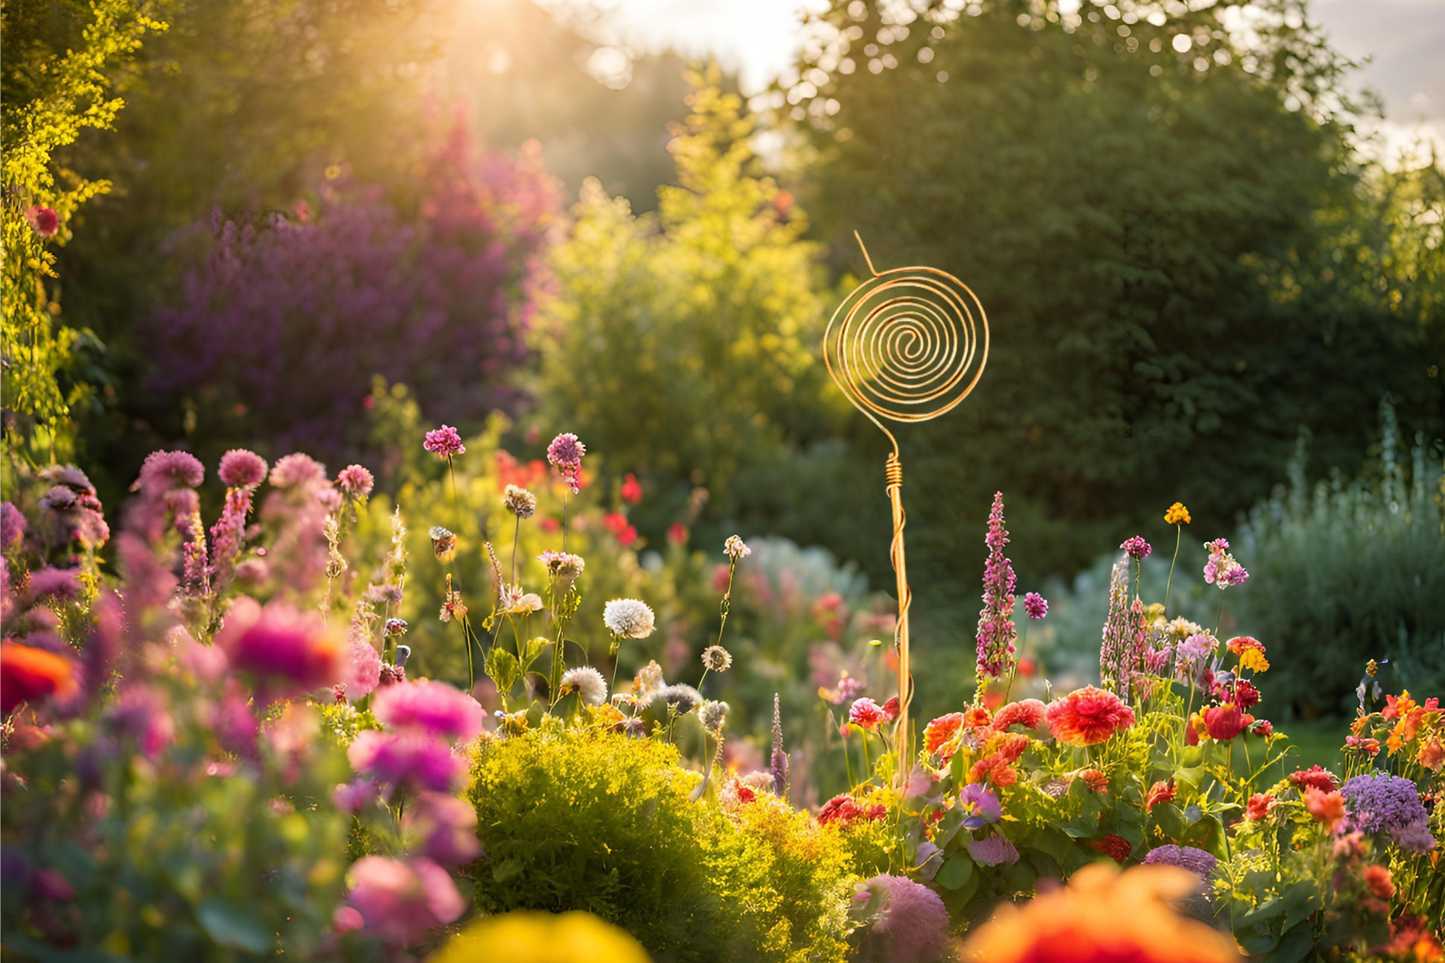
[1177, 514]
[1253, 660]
[541, 938]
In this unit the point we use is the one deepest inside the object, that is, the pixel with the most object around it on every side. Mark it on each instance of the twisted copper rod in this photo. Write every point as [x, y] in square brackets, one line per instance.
[893, 473]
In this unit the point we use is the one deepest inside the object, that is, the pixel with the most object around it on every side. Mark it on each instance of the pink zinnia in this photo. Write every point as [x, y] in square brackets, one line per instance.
[355, 482]
[406, 758]
[565, 454]
[280, 642]
[43, 219]
[431, 707]
[1136, 548]
[242, 469]
[444, 442]
[401, 902]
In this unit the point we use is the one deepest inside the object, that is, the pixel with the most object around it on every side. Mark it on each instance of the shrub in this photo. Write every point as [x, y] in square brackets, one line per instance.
[586, 819]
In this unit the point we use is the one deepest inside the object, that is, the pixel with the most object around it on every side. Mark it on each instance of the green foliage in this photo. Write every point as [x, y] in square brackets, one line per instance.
[586, 819]
[55, 84]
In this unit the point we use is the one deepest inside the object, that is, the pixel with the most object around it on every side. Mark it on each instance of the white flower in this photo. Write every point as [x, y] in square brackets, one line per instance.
[735, 548]
[649, 679]
[681, 697]
[628, 618]
[587, 682]
[717, 659]
[713, 714]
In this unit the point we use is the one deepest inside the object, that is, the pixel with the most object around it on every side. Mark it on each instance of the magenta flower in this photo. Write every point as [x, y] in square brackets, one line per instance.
[996, 631]
[1222, 569]
[164, 471]
[866, 714]
[43, 219]
[430, 707]
[355, 482]
[1137, 548]
[12, 526]
[444, 442]
[242, 469]
[406, 758]
[1035, 605]
[60, 583]
[400, 902]
[280, 643]
[352, 797]
[297, 471]
[565, 454]
[912, 924]
[446, 827]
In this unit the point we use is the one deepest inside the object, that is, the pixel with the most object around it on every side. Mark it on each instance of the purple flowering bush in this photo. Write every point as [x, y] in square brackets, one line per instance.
[280, 326]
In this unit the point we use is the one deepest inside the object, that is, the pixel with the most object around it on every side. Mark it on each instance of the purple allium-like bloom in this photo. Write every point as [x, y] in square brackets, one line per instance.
[1185, 857]
[1382, 803]
[444, 442]
[912, 925]
[297, 470]
[982, 804]
[996, 631]
[355, 482]
[69, 476]
[565, 454]
[242, 469]
[12, 526]
[59, 583]
[412, 758]
[352, 797]
[1035, 605]
[1222, 569]
[1137, 548]
[430, 707]
[992, 851]
[166, 470]
[400, 902]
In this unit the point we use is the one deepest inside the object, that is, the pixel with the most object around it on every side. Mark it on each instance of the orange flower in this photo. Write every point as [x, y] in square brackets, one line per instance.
[1396, 706]
[1327, 807]
[1260, 806]
[977, 717]
[1380, 882]
[1250, 652]
[1000, 753]
[1028, 713]
[1093, 778]
[941, 730]
[1431, 755]
[1158, 793]
[1088, 716]
[1103, 915]
[28, 674]
[1177, 514]
[1358, 725]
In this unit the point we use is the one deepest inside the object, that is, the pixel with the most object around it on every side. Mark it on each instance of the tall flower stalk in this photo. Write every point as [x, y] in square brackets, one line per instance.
[996, 631]
[1178, 516]
[565, 454]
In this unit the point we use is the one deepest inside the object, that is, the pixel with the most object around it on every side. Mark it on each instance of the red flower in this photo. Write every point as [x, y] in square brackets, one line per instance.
[1028, 713]
[677, 534]
[1088, 716]
[977, 717]
[843, 809]
[28, 674]
[1327, 807]
[1315, 777]
[1260, 806]
[1116, 847]
[1225, 722]
[1262, 728]
[1372, 746]
[1160, 792]
[1026, 668]
[1380, 882]
[616, 523]
[890, 709]
[631, 489]
[1246, 694]
[1093, 778]
[44, 220]
[941, 730]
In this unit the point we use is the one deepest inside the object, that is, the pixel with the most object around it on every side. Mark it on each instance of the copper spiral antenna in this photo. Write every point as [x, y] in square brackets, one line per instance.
[906, 345]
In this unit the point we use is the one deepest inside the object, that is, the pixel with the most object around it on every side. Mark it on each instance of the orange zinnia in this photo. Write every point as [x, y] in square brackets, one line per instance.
[1327, 807]
[941, 730]
[1088, 716]
[28, 674]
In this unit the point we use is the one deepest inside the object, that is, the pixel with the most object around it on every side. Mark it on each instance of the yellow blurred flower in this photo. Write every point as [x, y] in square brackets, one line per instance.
[1104, 916]
[541, 938]
[1177, 514]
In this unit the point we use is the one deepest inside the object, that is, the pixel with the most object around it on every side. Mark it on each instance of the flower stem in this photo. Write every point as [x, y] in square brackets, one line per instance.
[1178, 534]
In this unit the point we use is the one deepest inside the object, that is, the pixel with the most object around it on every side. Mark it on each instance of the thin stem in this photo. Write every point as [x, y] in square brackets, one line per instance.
[564, 521]
[847, 761]
[1219, 619]
[867, 763]
[1178, 534]
[516, 534]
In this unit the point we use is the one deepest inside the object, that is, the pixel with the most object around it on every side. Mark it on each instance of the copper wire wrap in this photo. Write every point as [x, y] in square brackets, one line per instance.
[906, 345]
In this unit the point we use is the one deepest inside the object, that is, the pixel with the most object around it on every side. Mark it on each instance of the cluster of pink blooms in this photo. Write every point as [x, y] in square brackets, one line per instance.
[996, 631]
[444, 442]
[565, 454]
[1222, 569]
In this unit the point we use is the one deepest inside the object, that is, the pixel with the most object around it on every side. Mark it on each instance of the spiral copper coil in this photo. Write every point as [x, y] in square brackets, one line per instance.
[906, 345]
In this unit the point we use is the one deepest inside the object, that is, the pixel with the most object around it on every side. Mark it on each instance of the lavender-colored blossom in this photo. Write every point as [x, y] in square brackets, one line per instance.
[565, 454]
[1136, 548]
[1381, 803]
[242, 469]
[996, 631]
[982, 805]
[1197, 861]
[355, 482]
[400, 902]
[228, 535]
[444, 442]
[58, 583]
[446, 827]
[297, 470]
[1035, 605]
[993, 851]
[12, 526]
[355, 796]
[1222, 569]
[166, 470]
[912, 924]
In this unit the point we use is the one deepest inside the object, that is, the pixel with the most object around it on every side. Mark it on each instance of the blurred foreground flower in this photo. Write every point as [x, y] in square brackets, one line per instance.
[1104, 916]
[541, 938]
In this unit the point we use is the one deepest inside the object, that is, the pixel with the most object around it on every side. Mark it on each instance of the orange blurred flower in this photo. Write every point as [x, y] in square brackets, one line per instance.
[28, 674]
[1380, 882]
[1000, 753]
[1103, 916]
[1260, 806]
[1431, 754]
[1327, 807]
[1160, 792]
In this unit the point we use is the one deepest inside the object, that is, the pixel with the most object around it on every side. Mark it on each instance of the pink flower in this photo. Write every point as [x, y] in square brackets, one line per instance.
[44, 220]
[1136, 548]
[354, 796]
[164, 471]
[631, 489]
[242, 469]
[12, 526]
[447, 827]
[280, 643]
[1035, 605]
[59, 583]
[401, 902]
[409, 758]
[363, 664]
[912, 926]
[565, 454]
[677, 534]
[430, 707]
[866, 714]
[1028, 713]
[297, 470]
[444, 442]
[355, 482]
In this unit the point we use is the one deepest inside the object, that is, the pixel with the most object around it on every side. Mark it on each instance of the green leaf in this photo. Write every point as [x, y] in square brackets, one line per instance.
[234, 927]
[502, 668]
[1294, 946]
[1052, 841]
[957, 870]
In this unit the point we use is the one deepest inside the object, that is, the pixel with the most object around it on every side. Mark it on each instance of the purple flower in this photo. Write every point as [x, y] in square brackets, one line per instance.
[1382, 803]
[1137, 548]
[59, 583]
[431, 707]
[447, 827]
[400, 902]
[996, 631]
[912, 923]
[983, 806]
[163, 471]
[1222, 569]
[1035, 605]
[280, 643]
[993, 851]
[355, 482]
[1197, 861]
[12, 526]
[352, 797]
[444, 442]
[297, 471]
[242, 469]
[565, 454]
[406, 758]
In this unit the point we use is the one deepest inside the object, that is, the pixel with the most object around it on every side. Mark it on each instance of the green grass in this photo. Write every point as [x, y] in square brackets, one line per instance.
[1317, 741]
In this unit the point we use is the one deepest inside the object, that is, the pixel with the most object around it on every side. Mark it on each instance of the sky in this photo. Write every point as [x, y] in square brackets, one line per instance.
[1401, 38]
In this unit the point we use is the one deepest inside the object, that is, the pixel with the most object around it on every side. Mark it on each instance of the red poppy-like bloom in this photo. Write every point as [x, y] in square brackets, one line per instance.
[1026, 668]
[1000, 753]
[843, 810]
[1380, 882]
[1225, 722]
[1116, 847]
[890, 709]
[1088, 716]
[1327, 807]
[941, 730]
[1028, 713]
[28, 674]
[1260, 805]
[1160, 792]
[1315, 777]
